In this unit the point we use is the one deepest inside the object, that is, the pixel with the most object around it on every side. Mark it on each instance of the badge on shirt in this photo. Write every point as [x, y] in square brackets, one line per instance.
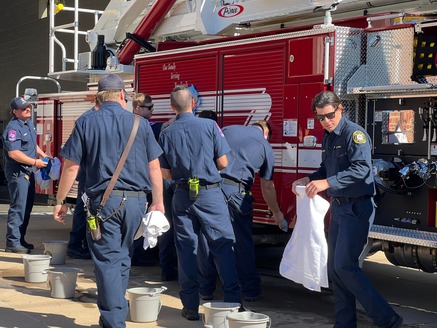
[359, 137]
[12, 135]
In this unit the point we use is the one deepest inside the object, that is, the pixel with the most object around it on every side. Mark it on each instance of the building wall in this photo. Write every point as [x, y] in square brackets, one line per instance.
[24, 47]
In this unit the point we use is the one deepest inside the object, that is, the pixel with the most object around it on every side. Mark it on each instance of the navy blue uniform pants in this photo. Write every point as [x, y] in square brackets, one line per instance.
[112, 256]
[166, 242]
[347, 238]
[22, 193]
[240, 209]
[78, 226]
[208, 215]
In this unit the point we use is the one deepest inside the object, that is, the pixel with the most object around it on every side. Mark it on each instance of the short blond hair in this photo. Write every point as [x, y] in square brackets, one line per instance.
[141, 98]
[181, 99]
[108, 95]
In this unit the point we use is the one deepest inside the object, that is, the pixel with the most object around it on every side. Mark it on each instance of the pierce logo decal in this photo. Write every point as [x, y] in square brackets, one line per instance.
[230, 11]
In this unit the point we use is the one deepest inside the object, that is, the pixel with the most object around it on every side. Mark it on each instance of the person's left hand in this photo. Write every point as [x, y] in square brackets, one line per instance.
[316, 186]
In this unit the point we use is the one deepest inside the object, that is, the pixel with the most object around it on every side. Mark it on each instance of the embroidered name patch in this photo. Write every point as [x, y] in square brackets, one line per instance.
[359, 137]
[12, 135]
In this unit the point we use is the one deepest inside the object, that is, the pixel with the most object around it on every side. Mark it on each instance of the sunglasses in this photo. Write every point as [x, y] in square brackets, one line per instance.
[329, 116]
[150, 107]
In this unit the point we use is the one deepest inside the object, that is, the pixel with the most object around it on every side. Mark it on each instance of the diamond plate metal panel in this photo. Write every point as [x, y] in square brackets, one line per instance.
[406, 236]
[347, 57]
[389, 60]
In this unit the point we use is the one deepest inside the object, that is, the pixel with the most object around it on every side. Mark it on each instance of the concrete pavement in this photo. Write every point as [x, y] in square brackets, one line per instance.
[30, 305]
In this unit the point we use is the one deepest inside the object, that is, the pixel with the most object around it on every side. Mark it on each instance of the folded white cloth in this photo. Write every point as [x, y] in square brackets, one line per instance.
[305, 257]
[153, 225]
[55, 170]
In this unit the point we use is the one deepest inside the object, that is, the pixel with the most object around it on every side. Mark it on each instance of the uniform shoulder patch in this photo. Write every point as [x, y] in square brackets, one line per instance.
[220, 130]
[12, 135]
[359, 137]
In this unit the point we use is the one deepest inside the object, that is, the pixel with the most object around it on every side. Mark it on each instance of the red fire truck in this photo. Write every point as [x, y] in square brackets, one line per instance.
[255, 59]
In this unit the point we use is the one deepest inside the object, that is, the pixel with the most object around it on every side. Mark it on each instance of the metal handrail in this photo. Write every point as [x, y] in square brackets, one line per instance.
[64, 29]
[17, 90]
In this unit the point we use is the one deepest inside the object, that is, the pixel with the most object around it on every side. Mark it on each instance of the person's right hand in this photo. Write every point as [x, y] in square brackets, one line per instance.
[59, 212]
[158, 206]
[39, 163]
[300, 182]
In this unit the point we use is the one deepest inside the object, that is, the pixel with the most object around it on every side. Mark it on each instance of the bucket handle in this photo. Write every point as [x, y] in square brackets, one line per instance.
[163, 289]
[30, 265]
[71, 282]
[269, 323]
[46, 271]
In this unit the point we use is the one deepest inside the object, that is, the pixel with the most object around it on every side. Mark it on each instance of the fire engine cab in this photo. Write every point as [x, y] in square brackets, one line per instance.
[259, 59]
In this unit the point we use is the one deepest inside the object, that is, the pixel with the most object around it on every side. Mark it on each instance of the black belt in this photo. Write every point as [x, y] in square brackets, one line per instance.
[344, 200]
[129, 193]
[201, 187]
[242, 187]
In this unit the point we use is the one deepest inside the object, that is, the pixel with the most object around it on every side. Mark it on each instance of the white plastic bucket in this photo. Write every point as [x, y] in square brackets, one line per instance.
[57, 249]
[248, 320]
[144, 303]
[35, 267]
[62, 282]
[216, 312]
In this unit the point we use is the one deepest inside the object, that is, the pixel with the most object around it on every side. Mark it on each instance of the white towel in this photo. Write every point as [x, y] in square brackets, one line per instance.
[153, 225]
[305, 257]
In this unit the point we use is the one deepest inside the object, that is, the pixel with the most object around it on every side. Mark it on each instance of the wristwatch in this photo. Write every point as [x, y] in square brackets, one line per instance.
[60, 202]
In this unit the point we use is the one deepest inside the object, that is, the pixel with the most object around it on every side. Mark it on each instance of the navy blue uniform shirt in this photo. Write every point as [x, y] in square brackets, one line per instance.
[156, 128]
[19, 135]
[81, 176]
[97, 142]
[346, 161]
[250, 153]
[191, 147]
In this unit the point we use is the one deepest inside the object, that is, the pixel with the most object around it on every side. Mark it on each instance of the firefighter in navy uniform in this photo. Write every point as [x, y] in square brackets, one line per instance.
[77, 245]
[21, 161]
[250, 153]
[194, 151]
[346, 174]
[109, 128]
[142, 105]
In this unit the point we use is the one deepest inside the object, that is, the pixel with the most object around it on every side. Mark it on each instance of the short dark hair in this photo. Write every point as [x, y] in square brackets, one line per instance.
[325, 98]
[208, 114]
[264, 125]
